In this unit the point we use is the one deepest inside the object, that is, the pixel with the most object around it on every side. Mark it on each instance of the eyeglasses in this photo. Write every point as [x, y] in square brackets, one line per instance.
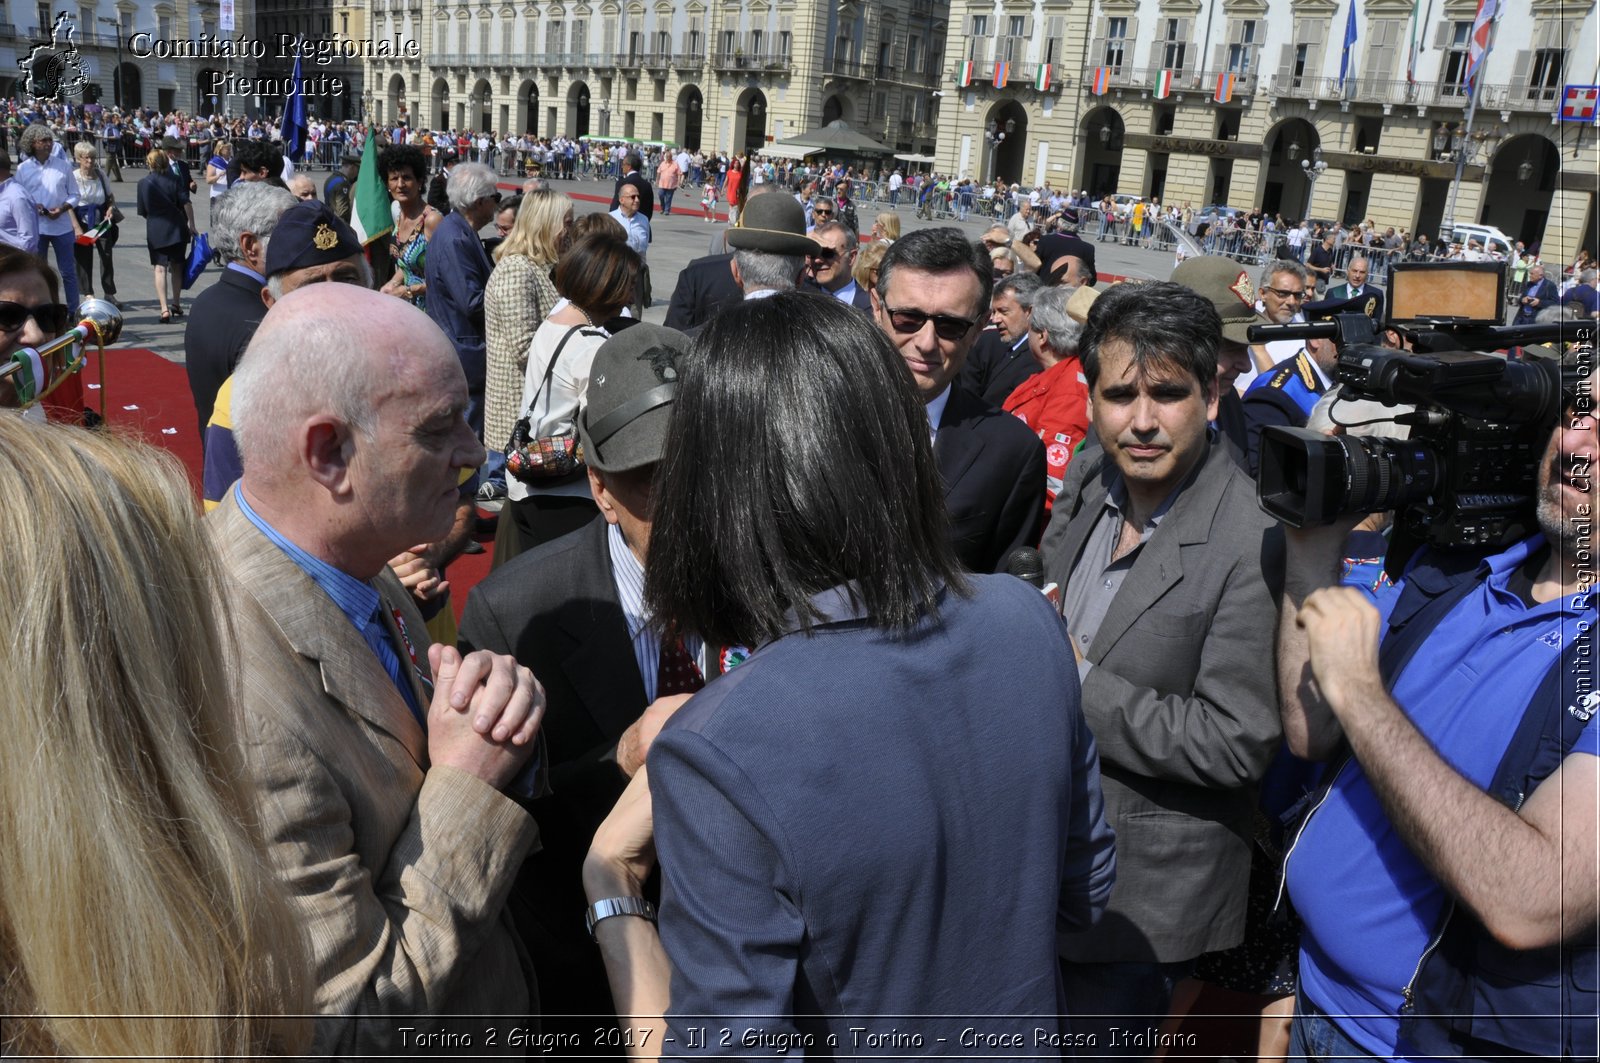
[945, 327]
[1284, 293]
[827, 254]
[999, 273]
[822, 212]
[51, 317]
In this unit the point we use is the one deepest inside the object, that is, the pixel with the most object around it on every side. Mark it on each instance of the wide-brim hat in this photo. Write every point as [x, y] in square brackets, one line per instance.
[774, 223]
[1229, 288]
[632, 384]
[171, 144]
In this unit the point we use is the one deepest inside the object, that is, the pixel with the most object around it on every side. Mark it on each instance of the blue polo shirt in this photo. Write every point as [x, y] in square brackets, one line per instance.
[1369, 905]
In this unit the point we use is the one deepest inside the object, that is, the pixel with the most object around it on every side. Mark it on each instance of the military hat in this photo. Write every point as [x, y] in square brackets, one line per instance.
[309, 234]
[1229, 288]
[171, 144]
[774, 223]
[632, 383]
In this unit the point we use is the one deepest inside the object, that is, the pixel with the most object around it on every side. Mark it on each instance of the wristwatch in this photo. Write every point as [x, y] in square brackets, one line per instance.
[617, 906]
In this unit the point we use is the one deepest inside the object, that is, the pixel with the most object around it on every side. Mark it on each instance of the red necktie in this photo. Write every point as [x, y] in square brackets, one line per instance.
[676, 672]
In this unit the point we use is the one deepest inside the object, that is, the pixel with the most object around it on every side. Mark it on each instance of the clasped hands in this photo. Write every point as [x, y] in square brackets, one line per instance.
[485, 713]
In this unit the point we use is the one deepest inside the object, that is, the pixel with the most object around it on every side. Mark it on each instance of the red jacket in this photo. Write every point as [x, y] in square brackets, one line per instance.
[1055, 404]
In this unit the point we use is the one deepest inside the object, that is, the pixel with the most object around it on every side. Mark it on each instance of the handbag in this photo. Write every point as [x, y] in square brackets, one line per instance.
[532, 459]
[116, 211]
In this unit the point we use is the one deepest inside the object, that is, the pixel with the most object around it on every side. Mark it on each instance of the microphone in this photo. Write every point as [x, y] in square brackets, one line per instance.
[1026, 564]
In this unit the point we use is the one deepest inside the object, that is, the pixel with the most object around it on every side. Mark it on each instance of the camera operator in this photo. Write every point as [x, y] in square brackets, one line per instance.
[1452, 854]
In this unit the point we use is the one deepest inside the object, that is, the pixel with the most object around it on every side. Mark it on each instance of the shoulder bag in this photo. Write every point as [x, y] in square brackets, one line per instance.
[533, 459]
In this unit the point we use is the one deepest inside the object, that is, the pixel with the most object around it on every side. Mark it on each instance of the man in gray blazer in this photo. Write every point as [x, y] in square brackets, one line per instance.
[1164, 558]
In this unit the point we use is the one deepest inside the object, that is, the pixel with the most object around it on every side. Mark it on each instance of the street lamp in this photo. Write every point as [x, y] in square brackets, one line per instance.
[474, 100]
[1313, 168]
[116, 37]
[1466, 148]
[1294, 150]
[995, 135]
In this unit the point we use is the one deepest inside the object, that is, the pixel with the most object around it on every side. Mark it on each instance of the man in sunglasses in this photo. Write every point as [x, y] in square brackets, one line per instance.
[1285, 394]
[830, 268]
[932, 298]
[821, 212]
[1285, 286]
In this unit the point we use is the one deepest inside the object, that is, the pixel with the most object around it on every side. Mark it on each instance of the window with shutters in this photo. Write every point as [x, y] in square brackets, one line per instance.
[693, 42]
[1175, 45]
[1054, 46]
[1544, 81]
[580, 36]
[663, 42]
[635, 45]
[1242, 49]
[1116, 43]
[758, 40]
[1300, 67]
[1383, 52]
[913, 53]
[978, 39]
[730, 40]
[1454, 40]
[880, 104]
[785, 37]
[483, 34]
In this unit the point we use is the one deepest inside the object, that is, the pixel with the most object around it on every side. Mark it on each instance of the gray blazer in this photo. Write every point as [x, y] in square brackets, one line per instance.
[1182, 699]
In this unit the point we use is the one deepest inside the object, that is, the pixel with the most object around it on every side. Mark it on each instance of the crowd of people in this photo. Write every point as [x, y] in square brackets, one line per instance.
[760, 734]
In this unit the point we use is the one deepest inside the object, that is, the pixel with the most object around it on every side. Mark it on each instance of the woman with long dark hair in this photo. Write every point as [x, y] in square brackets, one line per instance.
[840, 823]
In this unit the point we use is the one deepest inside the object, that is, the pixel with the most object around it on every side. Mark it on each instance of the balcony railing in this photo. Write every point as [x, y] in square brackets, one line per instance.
[1540, 98]
[849, 68]
[688, 60]
[766, 62]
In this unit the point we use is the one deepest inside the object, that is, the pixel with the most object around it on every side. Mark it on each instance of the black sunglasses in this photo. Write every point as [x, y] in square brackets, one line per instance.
[826, 212]
[945, 327]
[827, 254]
[52, 317]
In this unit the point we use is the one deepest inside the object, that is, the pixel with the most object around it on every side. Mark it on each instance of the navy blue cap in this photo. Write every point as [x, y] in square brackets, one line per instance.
[1052, 247]
[309, 234]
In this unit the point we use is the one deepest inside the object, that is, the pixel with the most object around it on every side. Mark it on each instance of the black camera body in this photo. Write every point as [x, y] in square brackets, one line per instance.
[1468, 474]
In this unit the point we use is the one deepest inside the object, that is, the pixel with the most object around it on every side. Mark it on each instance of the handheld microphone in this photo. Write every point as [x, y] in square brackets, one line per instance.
[1026, 564]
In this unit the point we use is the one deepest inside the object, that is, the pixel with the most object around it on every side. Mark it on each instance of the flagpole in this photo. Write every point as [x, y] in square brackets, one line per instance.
[1466, 134]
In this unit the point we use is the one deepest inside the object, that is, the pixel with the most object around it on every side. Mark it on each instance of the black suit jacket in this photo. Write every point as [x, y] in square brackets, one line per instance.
[555, 609]
[221, 323]
[647, 195]
[161, 196]
[704, 286]
[993, 470]
[993, 370]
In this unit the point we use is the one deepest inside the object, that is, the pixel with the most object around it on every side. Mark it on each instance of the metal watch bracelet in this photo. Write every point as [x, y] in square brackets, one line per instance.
[611, 906]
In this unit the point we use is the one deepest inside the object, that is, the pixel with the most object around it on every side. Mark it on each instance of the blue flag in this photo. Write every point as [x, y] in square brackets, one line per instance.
[1349, 43]
[294, 115]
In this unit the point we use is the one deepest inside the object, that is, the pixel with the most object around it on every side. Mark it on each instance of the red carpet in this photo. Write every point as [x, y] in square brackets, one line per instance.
[148, 397]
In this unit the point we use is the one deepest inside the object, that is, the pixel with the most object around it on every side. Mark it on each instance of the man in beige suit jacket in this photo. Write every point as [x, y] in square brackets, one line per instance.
[397, 840]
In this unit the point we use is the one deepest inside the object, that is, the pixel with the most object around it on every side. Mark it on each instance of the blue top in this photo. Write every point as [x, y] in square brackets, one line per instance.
[1369, 905]
[855, 823]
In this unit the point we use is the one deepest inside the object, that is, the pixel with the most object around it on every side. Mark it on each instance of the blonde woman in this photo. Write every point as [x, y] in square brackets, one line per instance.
[519, 296]
[868, 259]
[95, 201]
[139, 917]
[886, 227]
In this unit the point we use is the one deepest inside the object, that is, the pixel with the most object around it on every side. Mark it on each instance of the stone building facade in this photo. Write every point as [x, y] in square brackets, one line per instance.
[1123, 96]
[138, 35]
[717, 76]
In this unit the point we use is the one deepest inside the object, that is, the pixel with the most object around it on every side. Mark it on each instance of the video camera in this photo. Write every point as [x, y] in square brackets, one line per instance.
[1468, 475]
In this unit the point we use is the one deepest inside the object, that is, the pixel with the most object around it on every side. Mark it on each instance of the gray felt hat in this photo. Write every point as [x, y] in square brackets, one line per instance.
[632, 383]
[775, 223]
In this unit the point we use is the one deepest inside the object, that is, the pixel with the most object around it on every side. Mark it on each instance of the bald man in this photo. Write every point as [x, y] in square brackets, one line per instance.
[382, 764]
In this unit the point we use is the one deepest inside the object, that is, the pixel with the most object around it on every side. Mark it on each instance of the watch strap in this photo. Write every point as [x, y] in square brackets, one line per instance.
[611, 906]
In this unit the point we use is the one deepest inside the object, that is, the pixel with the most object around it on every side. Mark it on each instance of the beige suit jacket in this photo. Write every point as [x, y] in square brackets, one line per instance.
[400, 872]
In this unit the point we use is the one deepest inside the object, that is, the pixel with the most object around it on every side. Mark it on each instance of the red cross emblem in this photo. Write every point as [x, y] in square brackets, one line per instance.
[1578, 104]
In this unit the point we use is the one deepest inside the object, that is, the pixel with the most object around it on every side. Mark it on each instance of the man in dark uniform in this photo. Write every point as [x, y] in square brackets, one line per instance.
[339, 188]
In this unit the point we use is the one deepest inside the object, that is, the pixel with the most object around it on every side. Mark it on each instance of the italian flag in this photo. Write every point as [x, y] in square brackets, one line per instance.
[370, 216]
[88, 238]
[1046, 74]
[1164, 84]
[964, 77]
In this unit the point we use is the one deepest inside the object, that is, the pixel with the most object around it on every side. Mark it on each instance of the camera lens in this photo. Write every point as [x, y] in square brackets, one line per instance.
[1389, 473]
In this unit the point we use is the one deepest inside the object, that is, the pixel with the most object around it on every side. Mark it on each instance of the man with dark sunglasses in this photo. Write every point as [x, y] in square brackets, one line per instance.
[932, 297]
[821, 212]
[830, 269]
